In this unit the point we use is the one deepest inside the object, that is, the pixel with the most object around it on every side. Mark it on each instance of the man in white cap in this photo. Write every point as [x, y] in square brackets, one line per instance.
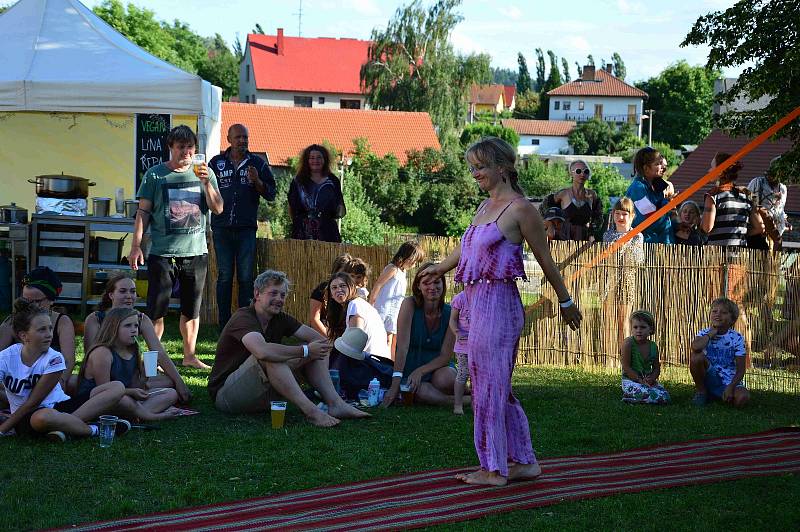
[251, 362]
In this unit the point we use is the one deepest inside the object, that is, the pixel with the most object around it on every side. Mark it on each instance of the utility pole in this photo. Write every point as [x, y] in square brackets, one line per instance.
[650, 113]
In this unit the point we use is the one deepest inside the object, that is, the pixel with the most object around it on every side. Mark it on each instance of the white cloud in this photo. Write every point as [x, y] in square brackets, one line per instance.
[463, 43]
[512, 12]
[630, 7]
[578, 44]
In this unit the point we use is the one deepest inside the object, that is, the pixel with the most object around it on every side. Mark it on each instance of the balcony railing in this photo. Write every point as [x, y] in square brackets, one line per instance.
[618, 119]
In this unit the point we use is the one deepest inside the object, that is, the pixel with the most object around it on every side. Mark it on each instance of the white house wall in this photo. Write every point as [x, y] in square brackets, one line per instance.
[247, 81]
[286, 98]
[547, 145]
[615, 109]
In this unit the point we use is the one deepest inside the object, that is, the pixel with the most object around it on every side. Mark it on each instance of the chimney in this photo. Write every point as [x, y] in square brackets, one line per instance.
[608, 67]
[588, 73]
[279, 46]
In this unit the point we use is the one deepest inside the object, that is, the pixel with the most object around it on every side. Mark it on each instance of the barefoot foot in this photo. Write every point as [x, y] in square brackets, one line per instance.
[194, 363]
[481, 477]
[345, 411]
[523, 471]
[318, 418]
[459, 410]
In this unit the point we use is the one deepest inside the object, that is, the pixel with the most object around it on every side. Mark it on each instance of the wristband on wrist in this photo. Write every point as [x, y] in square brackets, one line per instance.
[305, 350]
[397, 374]
[566, 303]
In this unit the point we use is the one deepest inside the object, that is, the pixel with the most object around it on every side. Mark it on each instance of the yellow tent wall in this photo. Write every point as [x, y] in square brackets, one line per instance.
[99, 147]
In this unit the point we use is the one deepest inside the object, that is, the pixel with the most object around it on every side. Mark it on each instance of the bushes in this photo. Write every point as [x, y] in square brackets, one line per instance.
[540, 179]
[473, 132]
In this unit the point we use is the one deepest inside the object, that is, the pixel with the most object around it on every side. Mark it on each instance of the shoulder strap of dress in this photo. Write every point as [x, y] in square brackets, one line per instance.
[55, 325]
[504, 209]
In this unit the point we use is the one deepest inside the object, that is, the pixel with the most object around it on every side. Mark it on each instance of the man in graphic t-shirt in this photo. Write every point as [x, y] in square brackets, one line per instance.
[243, 178]
[174, 200]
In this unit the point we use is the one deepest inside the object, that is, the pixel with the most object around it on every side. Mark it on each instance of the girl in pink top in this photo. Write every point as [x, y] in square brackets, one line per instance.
[489, 263]
[459, 324]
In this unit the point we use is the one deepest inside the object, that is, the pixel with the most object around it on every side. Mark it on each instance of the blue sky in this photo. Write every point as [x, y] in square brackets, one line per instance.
[646, 33]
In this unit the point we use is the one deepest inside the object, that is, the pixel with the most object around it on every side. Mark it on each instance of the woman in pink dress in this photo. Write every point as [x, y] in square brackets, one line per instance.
[489, 262]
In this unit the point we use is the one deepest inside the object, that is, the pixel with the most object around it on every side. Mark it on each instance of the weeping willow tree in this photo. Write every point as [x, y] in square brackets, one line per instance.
[412, 66]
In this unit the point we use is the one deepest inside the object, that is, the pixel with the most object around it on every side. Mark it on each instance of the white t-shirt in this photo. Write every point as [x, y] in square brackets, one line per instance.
[373, 326]
[390, 298]
[20, 379]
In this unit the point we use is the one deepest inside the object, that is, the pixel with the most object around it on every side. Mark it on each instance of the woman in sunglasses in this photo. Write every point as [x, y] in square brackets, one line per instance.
[583, 211]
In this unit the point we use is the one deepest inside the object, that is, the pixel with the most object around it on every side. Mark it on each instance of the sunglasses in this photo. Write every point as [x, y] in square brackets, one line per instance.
[580, 171]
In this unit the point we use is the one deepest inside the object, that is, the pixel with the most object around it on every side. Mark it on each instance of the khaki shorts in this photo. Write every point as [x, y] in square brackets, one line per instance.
[247, 390]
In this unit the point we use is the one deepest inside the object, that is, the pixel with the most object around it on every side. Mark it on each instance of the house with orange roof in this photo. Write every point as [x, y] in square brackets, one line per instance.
[278, 133]
[302, 72]
[509, 97]
[486, 99]
[597, 94]
[541, 137]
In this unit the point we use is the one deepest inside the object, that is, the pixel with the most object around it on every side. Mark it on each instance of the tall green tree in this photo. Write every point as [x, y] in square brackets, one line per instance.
[598, 137]
[220, 67]
[682, 96]
[523, 76]
[540, 70]
[411, 65]
[554, 78]
[579, 68]
[565, 66]
[527, 105]
[504, 76]
[590, 60]
[763, 35]
[619, 66]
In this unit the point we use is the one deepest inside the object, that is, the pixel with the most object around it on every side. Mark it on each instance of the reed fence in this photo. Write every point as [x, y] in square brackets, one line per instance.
[676, 283]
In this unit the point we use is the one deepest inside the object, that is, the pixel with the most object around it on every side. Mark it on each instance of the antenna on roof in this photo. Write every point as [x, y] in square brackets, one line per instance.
[300, 20]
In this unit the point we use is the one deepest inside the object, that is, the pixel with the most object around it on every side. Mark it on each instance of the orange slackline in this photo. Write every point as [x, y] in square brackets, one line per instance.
[710, 176]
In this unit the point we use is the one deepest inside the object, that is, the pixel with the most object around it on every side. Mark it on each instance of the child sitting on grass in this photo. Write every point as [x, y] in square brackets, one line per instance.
[31, 371]
[717, 362]
[640, 365]
[115, 357]
[459, 324]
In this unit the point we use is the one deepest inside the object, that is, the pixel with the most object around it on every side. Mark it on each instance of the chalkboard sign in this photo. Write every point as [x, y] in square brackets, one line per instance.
[151, 143]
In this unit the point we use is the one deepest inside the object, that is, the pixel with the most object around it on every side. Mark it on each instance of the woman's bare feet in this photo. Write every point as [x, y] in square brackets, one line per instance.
[523, 471]
[194, 363]
[481, 477]
[458, 409]
[318, 418]
[345, 411]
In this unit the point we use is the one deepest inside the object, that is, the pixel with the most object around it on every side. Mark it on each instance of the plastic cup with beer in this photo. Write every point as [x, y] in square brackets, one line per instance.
[408, 395]
[278, 413]
[198, 160]
[150, 359]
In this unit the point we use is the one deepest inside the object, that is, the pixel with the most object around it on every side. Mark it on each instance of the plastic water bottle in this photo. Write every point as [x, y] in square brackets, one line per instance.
[373, 392]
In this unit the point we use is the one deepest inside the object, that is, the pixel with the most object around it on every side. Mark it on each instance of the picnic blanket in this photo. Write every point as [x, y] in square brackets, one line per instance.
[432, 497]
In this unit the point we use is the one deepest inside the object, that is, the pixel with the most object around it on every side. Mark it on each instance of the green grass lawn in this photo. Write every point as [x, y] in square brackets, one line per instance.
[212, 458]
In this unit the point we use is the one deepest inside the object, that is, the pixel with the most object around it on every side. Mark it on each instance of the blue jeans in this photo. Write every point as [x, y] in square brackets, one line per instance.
[234, 245]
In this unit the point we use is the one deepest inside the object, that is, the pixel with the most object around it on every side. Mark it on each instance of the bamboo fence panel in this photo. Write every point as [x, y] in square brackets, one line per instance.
[676, 283]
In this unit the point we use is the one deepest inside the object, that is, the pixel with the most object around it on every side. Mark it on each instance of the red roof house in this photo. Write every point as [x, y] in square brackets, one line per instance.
[754, 164]
[597, 94]
[301, 71]
[283, 132]
[509, 96]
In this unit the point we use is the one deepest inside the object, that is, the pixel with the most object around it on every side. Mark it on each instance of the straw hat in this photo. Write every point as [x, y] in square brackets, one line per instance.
[352, 343]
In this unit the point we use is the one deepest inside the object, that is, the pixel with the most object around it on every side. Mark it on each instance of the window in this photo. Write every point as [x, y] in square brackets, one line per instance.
[567, 106]
[580, 106]
[247, 77]
[321, 100]
[556, 105]
[534, 142]
[302, 101]
[350, 104]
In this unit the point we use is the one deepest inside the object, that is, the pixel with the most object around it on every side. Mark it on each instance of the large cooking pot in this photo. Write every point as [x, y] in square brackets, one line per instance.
[11, 214]
[62, 186]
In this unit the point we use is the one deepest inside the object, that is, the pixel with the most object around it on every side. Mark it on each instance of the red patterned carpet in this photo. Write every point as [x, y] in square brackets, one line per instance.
[428, 498]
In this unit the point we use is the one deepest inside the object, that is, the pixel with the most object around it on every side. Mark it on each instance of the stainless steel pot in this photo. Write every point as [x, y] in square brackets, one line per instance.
[101, 207]
[11, 214]
[62, 186]
[131, 206]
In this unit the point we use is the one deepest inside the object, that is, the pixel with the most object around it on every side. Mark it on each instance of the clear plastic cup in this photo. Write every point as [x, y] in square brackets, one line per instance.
[198, 160]
[278, 414]
[150, 359]
[108, 426]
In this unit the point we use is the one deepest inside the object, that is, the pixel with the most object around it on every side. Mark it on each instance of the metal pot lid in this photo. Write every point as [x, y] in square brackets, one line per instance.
[61, 176]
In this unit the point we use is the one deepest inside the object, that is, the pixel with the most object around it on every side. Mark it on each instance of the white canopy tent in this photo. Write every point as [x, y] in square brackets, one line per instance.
[59, 56]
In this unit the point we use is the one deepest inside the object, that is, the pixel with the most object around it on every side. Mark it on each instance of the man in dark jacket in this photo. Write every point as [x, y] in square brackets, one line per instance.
[243, 178]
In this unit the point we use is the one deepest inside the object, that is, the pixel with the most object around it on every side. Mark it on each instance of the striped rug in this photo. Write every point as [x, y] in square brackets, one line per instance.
[431, 497]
